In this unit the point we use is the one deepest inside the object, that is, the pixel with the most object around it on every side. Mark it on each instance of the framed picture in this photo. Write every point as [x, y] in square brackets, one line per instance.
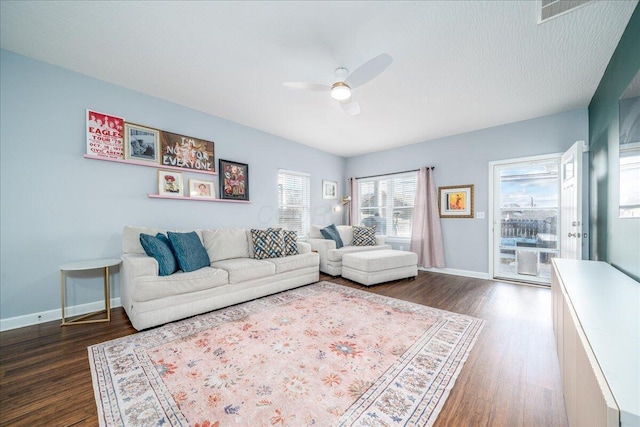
[141, 143]
[456, 201]
[201, 189]
[170, 183]
[186, 152]
[234, 180]
[104, 135]
[329, 189]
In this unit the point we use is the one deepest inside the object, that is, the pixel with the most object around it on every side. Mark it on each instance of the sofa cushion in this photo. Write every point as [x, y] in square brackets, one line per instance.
[243, 269]
[131, 237]
[159, 247]
[364, 236]
[153, 287]
[289, 238]
[336, 254]
[295, 262]
[267, 243]
[189, 251]
[226, 243]
[331, 232]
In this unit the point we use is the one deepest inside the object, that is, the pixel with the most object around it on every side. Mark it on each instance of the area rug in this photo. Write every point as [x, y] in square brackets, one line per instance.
[320, 355]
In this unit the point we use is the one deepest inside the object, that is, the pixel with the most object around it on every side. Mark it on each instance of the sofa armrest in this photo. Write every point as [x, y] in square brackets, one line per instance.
[303, 247]
[322, 246]
[380, 240]
[136, 265]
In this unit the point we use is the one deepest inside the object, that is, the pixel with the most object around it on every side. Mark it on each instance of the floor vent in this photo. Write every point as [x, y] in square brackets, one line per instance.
[551, 8]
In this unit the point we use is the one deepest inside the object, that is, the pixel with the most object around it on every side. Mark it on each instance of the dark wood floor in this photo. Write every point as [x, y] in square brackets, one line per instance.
[510, 379]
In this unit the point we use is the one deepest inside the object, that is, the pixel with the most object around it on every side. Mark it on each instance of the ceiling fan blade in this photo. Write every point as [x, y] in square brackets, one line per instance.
[369, 70]
[351, 107]
[306, 86]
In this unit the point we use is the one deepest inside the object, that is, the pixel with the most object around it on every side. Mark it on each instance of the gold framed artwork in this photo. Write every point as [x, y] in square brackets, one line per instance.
[456, 201]
[170, 183]
[201, 189]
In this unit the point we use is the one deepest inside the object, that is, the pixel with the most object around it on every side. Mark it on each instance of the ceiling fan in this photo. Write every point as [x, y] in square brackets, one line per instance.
[346, 82]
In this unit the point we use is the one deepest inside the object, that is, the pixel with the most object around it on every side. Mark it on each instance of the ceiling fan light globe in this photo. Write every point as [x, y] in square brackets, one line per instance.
[340, 91]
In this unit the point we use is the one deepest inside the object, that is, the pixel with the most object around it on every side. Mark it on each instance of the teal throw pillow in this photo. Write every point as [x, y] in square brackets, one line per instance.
[158, 247]
[331, 232]
[189, 251]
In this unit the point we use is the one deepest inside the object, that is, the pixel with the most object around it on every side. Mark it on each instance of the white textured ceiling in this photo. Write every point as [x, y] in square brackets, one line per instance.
[458, 65]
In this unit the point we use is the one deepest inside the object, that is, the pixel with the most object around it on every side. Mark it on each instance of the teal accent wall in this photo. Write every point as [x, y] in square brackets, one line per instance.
[613, 240]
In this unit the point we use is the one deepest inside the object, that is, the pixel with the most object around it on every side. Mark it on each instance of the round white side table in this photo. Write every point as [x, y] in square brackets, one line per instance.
[93, 264]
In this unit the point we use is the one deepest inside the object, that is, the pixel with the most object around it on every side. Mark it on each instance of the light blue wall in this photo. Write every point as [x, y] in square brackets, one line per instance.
[464, 159]
[614, 240]
[58, 207]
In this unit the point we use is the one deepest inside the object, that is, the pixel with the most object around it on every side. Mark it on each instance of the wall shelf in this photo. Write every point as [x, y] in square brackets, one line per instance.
[149, 164]
[196, 199]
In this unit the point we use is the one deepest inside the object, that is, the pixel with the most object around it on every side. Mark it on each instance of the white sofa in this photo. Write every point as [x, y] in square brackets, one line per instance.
[330, 257]
[233, 277]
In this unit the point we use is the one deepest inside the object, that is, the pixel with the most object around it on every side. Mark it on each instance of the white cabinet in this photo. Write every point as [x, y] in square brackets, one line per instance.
[596, 322]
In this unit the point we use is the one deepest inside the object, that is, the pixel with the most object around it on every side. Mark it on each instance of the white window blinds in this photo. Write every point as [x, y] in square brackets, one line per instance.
[294, 201]
[386, 202]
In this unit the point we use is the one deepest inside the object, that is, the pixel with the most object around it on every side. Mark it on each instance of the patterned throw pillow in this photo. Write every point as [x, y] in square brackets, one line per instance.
[158, 247]
[331, 232]
[267, 243]
[290, 242]
[364, 236]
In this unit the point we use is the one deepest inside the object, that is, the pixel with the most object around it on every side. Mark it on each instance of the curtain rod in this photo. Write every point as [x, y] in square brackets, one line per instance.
[392, 173]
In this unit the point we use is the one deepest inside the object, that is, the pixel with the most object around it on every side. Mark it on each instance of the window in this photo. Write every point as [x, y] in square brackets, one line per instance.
[294, 201]
[387, 202]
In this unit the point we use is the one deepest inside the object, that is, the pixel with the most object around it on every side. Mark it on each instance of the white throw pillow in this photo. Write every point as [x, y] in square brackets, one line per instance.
[226, 243]
[346, 234]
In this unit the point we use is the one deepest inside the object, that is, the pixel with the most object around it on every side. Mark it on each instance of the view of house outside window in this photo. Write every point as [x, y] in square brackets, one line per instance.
[386, 202]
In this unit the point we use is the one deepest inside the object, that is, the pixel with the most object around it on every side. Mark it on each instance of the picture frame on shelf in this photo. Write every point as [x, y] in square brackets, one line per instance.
[187, 152]
[170, 183]
[329, 190]
[201, 189]
[141, 143]
[104, 135]
[456, 201]
[234, 180]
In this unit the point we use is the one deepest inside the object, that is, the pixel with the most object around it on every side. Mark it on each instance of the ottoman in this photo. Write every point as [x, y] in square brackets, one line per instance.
[373, 267]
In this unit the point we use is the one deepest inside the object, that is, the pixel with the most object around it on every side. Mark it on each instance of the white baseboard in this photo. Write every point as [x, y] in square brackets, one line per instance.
[456, 272]
[48, 316]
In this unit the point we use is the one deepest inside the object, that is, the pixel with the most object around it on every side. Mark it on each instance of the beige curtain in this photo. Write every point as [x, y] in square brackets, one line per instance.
[426, 233]
[352, 213]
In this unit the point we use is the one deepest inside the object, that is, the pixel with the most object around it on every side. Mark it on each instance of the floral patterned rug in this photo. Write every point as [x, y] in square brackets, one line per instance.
[320, 355]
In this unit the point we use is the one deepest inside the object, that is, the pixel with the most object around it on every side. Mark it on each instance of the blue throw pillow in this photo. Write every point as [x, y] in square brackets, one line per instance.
[189, 251]
[159, 248]
[331, 232]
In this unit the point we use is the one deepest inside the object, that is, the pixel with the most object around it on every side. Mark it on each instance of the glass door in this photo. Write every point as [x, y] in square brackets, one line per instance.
[525, 219]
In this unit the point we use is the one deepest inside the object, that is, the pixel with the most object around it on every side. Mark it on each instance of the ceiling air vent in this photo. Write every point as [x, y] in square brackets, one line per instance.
[551, 8]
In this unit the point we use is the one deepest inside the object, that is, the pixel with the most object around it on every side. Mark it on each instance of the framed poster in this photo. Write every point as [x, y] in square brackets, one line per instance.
[456, 201]
[329, 189]
[201, 189]
[234, 180]
[104, 135]
[170, 183]
[141, 143]
[186, 152]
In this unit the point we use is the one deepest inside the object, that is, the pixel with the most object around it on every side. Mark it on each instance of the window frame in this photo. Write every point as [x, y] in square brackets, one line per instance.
[305, 205]
[388, 205]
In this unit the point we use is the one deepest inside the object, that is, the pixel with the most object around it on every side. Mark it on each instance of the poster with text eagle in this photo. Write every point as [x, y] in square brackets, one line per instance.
[104, 135]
